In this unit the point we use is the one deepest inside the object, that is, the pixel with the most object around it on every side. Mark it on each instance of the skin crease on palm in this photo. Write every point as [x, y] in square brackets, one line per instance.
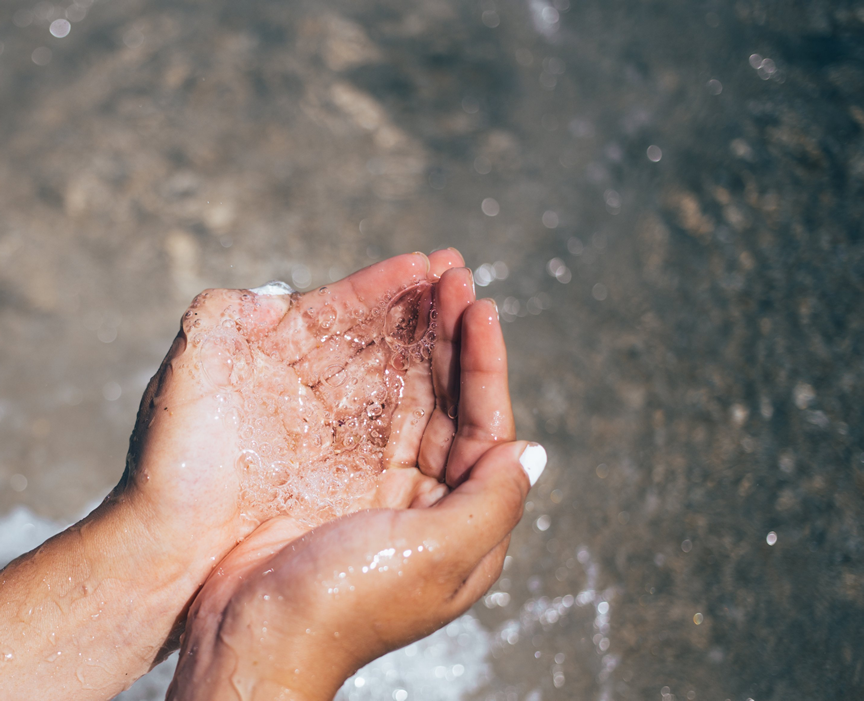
[308, 405]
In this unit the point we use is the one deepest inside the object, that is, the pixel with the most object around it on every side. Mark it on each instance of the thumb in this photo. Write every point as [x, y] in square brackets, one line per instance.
[486, 507]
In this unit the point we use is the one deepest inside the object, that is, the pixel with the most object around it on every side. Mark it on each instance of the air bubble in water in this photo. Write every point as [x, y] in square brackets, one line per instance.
[334, 376]
[400, 361]
[248, 461]
[350, 441]
[374, 409]
[327, 317]
[407, 319]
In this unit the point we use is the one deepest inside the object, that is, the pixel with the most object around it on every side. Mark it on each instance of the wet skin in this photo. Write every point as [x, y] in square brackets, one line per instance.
[289, 618]
[95, 607]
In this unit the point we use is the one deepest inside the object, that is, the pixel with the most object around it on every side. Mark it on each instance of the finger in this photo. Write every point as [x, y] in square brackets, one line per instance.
[429, 495]
[455, 294]
[333, 310]
[441, 261]
[487, 506]
[410, 418]
[485, 414]
[403, 489]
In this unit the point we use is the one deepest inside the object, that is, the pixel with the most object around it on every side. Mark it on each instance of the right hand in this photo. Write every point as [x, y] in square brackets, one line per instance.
[293, 618]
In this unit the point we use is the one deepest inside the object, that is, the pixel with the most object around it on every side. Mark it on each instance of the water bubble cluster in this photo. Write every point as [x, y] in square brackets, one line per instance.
[311, 391]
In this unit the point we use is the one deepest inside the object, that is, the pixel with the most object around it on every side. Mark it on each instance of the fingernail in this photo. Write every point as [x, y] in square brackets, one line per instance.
[533, 461]
[473, 287]
[493, 303]
[426, 258]
[458, 253]
[274, 287]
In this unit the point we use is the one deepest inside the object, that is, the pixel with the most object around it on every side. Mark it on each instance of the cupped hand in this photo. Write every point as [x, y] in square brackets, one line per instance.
[308, 406]
[287, 617]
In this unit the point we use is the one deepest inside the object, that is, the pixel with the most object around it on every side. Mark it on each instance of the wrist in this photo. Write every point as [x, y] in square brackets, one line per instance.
[93, 608]
[132, 551]
[244, 649]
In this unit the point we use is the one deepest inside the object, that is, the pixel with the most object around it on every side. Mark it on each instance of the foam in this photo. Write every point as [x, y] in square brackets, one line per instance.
[275, 287]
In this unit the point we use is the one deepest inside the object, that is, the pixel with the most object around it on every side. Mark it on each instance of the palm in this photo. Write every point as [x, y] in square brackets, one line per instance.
[268, 618]
[292, 405]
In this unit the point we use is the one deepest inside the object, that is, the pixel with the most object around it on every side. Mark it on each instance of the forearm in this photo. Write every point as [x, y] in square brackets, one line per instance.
[88, 612]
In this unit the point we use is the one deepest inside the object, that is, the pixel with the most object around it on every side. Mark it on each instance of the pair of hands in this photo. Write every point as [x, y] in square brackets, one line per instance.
[288, 612]
[292, 617]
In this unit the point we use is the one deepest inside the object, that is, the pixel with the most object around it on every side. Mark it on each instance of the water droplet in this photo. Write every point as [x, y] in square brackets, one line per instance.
[374, 409]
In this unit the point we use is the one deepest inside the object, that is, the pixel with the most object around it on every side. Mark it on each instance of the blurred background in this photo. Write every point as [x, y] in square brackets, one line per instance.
[663, 196]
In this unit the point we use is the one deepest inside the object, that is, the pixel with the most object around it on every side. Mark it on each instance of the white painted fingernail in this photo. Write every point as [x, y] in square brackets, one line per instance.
[275, 287]
[533, 461]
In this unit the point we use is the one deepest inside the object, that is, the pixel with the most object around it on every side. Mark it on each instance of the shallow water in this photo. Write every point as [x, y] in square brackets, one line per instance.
[665, 199]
